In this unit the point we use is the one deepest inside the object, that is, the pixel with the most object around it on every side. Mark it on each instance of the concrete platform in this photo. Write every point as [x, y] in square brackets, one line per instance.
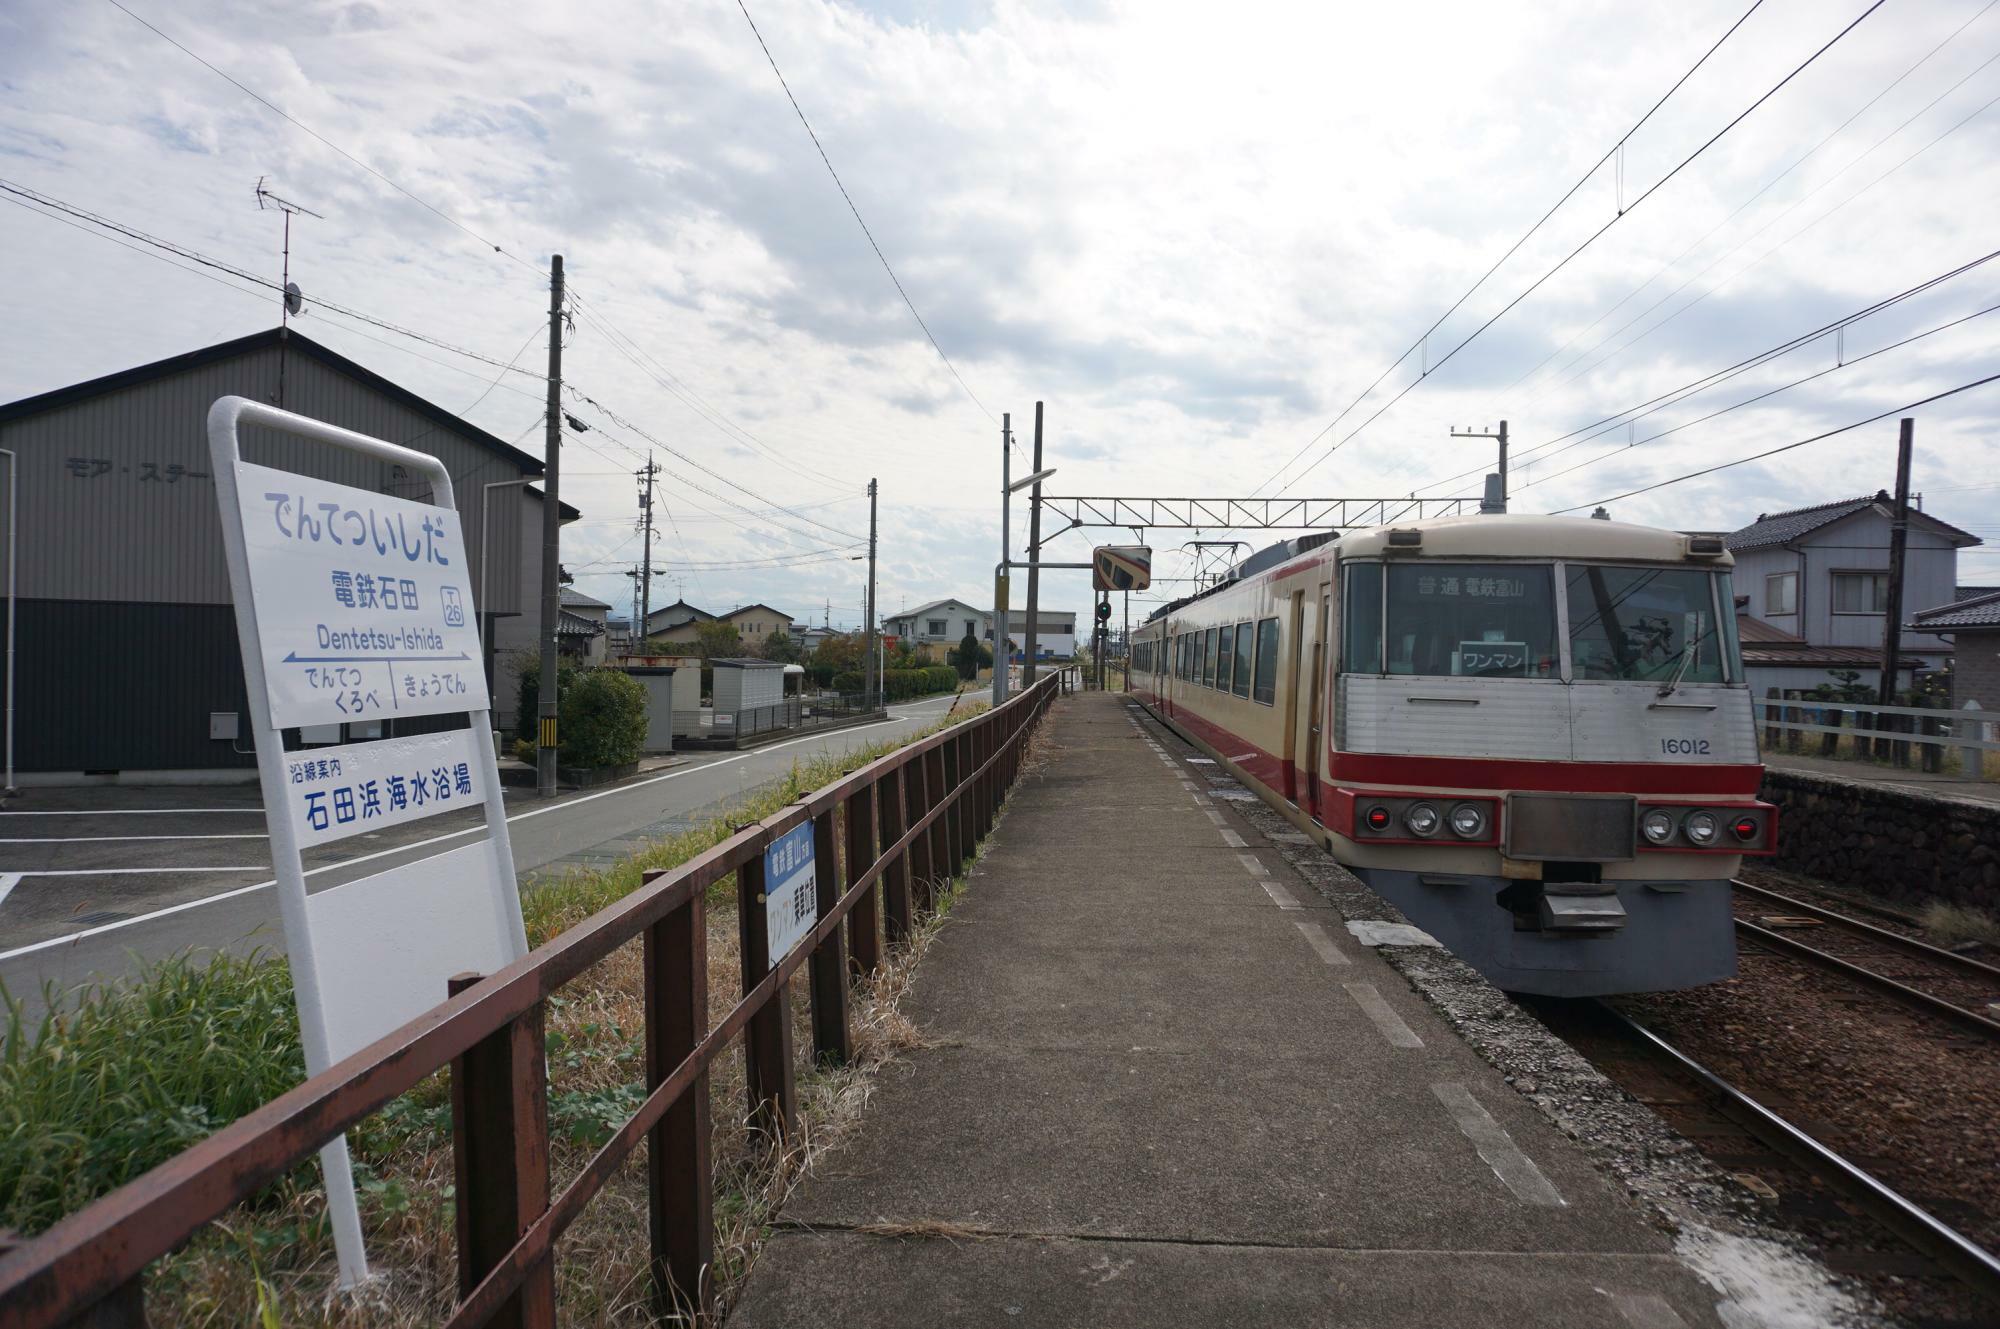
[1164, 1086]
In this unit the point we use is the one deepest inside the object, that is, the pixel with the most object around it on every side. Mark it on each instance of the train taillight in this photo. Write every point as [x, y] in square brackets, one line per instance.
[1377, 818]
[1746, 829]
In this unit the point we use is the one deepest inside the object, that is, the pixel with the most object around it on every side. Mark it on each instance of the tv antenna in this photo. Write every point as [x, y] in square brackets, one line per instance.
[294, 299]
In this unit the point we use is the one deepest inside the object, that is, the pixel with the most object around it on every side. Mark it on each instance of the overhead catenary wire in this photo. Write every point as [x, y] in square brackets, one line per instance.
[1514, 248]
[828, 162]
[1849, 363]
[1596, 428]
[1670, 318]
[1787, 447]
[1766, 188]
[1593, 237]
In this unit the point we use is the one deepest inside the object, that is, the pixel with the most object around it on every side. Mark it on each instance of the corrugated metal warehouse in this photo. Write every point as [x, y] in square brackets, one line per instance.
[126, 640]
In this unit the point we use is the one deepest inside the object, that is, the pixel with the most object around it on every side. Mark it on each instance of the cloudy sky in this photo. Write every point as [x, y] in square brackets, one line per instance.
[1198, 232]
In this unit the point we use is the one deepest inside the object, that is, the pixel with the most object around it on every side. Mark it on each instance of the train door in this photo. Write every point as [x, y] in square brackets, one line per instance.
[1295, 624]
[1313, 684]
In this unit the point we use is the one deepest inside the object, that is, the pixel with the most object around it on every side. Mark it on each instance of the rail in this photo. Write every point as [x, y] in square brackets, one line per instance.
[1890, 732]
[907, 821]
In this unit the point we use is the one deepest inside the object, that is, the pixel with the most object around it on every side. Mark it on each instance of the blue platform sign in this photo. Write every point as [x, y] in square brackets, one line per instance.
[791, 889]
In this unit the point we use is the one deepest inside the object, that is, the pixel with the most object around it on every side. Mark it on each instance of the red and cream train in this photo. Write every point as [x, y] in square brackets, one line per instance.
[1531, 734]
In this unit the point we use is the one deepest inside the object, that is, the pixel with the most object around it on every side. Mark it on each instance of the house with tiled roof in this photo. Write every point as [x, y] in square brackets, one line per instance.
[1972, 624]
[1812, 588]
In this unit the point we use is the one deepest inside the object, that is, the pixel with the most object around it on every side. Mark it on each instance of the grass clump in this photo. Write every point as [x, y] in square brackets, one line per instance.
[1952, 925]
[132, 1075]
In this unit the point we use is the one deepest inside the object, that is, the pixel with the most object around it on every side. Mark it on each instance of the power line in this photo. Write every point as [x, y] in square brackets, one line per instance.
[297, 123]
[1709, 380]
[1627, 211]
[1772, 452]
[1515, 247]
[624, 423]
[1794, 206]
[1770, 184]
[857, 212]
[50, 202]
[1748, 401]
[651, 365]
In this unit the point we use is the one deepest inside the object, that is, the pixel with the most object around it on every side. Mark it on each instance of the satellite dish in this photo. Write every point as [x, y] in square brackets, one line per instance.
[294, 298]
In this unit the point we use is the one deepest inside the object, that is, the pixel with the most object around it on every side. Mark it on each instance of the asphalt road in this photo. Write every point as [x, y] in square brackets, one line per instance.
[98, 881]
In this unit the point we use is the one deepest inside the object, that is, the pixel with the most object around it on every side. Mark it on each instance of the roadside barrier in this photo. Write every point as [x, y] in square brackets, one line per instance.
[908, 821]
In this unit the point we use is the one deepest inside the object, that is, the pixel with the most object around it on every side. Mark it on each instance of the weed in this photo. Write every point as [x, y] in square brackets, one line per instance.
[1951, 925]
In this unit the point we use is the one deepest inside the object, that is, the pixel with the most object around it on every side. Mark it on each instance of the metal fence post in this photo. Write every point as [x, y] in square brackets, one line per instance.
[1971, 760]
[500, 1157]
[833, 1039]
[864, 923]
[680, 1188]
[767, 1038]
[896, 875]
[935, 788]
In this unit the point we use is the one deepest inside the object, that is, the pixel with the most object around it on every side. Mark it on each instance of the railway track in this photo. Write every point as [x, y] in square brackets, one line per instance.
[1941, 983]
[1737, 1131]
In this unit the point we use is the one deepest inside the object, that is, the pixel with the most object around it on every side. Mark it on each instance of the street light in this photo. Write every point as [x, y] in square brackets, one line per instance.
[1034, 479]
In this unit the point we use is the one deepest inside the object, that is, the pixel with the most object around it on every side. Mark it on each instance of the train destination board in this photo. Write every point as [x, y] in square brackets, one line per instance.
[364, 603]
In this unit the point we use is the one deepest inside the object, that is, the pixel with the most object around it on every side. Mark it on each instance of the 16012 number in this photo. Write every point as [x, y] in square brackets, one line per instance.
[1684, 747]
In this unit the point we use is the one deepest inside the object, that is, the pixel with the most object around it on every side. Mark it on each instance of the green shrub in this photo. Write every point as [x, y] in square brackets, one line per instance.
[531, 693]
[603, 720]
[848, 681]
[902, 684]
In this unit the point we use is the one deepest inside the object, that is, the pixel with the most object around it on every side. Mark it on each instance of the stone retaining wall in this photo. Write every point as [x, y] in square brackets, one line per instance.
[1907, 847]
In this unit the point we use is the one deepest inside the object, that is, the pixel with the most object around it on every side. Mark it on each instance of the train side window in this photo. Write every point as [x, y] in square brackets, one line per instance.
[1208, 658]
[1245, 647]
[1225, 657]
[1266, 687]
[1361, 619]
[1187, 656]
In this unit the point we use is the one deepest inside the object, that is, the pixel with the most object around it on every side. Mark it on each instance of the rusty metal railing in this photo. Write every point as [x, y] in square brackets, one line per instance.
[907, 822]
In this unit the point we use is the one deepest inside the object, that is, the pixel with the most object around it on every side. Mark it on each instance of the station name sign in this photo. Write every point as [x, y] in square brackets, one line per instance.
[364, 602]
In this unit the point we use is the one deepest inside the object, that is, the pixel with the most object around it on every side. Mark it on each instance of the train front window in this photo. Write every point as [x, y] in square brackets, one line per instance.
[1653, 625]
[1472, 620]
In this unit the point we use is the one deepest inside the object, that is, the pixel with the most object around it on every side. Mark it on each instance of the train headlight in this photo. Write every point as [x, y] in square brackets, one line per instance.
[1377, 818]
[1657, 826]
[1422, 819]
[1700, 828]
[1468, 822]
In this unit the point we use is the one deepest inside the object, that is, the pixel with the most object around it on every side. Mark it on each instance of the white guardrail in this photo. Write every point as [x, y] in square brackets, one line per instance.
[1970, 729]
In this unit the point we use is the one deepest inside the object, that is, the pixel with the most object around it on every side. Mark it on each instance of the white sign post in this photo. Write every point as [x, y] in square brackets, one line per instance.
[354, 607]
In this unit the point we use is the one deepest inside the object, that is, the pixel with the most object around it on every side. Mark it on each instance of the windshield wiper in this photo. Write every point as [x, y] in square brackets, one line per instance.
[1680, 670]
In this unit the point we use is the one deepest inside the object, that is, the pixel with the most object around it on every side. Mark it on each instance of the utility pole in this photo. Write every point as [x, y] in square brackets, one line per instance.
[871, 681]
[545, 691]
[646, 574]
[1501, 436]
[1028, 646]
[1000, 569]
[1899, 536]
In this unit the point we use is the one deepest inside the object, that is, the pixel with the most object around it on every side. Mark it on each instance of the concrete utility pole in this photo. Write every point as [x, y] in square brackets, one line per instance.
[870, 679]
[1899, 537]
[1501, 436]
[545, 692]
[1000, 569]
[646, 574]
[1028, 646]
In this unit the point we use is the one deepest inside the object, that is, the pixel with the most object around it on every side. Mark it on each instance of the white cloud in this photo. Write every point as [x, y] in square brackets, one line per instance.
[1196, 231]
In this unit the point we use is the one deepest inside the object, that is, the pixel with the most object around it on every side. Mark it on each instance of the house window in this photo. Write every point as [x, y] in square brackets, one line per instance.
[1860, 592]
[971, 628]
[935, 627]
[1781, 593]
